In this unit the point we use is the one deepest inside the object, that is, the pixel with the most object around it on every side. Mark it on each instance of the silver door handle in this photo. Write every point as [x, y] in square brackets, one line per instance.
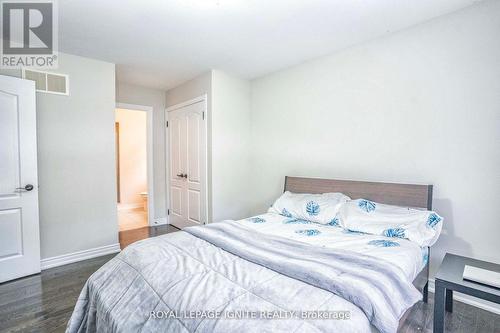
[27, 188]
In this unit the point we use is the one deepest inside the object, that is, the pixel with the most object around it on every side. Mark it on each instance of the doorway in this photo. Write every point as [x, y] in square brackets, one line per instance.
[133, 139]
[187, 167]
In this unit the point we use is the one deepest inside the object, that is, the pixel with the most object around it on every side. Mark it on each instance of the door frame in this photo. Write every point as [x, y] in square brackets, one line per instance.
[202, 98]
[149, 152]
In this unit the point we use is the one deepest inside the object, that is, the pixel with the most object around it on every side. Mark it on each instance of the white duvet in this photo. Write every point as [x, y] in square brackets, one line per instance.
[403, 253]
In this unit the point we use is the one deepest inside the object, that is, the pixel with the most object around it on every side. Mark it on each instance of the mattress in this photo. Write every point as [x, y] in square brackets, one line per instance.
[407, 255]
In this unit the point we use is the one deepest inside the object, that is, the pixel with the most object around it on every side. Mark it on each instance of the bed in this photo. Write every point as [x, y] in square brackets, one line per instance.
[405, 195]
[263, 274]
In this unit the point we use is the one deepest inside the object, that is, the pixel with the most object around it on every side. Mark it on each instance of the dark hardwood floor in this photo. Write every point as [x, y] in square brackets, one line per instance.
[130, 236]
[464, 319]
[44, 302]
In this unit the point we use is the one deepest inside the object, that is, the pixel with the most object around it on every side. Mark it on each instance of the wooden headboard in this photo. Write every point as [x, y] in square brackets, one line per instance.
[406, 195]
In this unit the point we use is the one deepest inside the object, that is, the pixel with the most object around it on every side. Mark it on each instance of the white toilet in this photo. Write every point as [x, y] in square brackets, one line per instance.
[144, 196]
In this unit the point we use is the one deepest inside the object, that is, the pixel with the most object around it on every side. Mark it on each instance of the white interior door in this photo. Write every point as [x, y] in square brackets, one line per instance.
[187, 167]
[19, 234]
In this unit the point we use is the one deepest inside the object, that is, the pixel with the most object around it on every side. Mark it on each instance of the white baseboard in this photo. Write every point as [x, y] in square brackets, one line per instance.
[79, 256]
[477, 302]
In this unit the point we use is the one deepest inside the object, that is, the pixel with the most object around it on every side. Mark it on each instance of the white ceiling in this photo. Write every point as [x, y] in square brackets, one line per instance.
[161, 44]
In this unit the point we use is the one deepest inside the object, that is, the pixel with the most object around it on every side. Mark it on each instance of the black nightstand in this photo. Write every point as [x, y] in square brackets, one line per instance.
[449, 278]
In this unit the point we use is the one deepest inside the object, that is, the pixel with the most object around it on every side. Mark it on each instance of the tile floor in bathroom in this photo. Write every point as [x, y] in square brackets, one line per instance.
[129, 219]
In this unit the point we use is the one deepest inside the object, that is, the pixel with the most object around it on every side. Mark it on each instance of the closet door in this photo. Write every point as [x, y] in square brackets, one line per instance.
[187, 167]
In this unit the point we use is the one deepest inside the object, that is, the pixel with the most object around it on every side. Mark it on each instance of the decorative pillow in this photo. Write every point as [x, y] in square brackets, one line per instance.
[420, 226]
[319, 208]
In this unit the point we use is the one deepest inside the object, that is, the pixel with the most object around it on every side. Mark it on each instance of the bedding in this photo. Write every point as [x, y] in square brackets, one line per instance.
[420, 226]
[407, 255]
[319, 208]
[228, 267]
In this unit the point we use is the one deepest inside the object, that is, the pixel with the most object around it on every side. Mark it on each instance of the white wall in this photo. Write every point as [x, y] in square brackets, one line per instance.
[76, 159]
[230, 146]
[133, 164]
[196, 87]
[228, 116]
[133, 94]
[420, 106]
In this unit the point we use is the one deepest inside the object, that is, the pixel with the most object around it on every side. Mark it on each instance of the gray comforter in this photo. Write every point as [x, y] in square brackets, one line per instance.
[226, 278]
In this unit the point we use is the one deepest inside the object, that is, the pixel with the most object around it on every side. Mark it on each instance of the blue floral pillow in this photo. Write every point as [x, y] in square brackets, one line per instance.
[319, 208]
[363, 215]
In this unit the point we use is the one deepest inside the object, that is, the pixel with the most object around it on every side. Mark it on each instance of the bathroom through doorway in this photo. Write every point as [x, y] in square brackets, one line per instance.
[133, 162]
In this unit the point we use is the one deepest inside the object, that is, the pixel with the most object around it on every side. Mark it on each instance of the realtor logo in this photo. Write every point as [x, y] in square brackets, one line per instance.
[29, 34]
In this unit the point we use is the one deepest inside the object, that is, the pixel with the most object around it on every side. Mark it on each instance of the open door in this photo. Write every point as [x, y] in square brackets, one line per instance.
[19, 231]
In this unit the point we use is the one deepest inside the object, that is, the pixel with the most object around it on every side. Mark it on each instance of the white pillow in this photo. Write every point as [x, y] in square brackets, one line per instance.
[420, 226]
[319, 208]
